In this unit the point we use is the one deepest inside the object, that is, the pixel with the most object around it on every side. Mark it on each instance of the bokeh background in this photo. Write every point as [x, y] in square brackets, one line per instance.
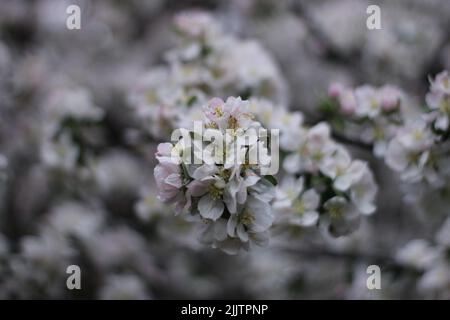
[101, 217]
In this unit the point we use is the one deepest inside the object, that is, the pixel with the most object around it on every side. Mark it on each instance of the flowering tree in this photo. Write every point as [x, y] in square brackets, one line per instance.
[206, 159]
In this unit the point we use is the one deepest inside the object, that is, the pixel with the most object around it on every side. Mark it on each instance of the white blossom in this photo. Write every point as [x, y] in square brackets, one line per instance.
[342, 216]
[225, 191]
[409, 152]
[296, 205]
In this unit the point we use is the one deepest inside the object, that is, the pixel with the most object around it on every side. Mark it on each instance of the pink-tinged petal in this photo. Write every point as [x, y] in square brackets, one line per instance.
[198, 188]
[168, 181]
[335, 90]
[174, 180]
[210, 208]
[204, 171]
[164, 149]
[183, 204]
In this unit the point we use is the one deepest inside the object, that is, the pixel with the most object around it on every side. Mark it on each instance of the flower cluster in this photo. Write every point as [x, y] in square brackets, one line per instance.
[159, 100]
[418, 150]
[207, 62]
[226, 192]
[373, 114]
[329, 183]
[366, 101]
[412, 143]
[410, 153]
[323, 182]
[70, 226]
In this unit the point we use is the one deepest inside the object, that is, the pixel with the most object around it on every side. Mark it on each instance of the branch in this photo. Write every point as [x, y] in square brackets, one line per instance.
[324, 253]
[356, 143]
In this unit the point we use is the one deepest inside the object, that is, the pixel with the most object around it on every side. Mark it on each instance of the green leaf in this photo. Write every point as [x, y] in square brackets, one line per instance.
[271, 179]
[191, 101]
[185, 171]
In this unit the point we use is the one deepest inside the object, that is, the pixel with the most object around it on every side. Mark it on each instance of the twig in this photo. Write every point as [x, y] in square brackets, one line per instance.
[356, 143]
[324, 253]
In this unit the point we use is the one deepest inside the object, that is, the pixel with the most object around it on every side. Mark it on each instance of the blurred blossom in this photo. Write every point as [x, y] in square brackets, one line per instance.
[68, 112]
[149, 206]
[343, 24]
[406, 36]
[270, 272]
[71, 102]
[72, 219]
[443, 235]
[417, 254]
[437, 279]
[40, 269]
[114, 247]
[118, 172]
[123, 287]
[207, 62]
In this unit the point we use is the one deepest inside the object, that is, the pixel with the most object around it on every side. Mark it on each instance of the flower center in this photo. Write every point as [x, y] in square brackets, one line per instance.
[336, 211]
[215, 192]
[299, 207]
[445, 106]
[218, 112]
[340, 170]
[374, 104]
[225, 174]
[151, 97]
[233, 123]
[318, 156]
[418, 135]
[246, 218]
[151, 201]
